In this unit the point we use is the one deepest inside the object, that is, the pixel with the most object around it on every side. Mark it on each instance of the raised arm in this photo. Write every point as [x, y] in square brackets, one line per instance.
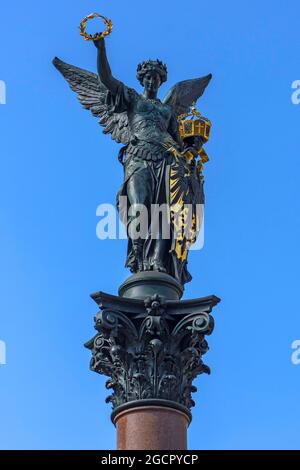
[104, 70]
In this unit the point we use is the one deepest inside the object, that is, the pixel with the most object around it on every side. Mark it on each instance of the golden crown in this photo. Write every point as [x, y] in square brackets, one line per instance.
[193, 127]
[193, 124]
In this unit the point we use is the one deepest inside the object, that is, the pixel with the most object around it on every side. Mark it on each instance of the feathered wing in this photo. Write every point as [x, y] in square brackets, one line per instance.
[92, 94]
[183, 94]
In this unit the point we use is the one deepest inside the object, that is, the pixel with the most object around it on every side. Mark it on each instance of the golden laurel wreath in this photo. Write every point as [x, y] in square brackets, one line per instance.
[95, 37]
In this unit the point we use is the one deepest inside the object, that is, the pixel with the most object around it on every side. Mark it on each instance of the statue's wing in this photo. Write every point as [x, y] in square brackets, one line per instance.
[92, 94]
[184, 94]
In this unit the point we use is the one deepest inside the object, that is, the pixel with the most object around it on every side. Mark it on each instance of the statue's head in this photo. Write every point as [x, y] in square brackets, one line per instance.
[151, 74]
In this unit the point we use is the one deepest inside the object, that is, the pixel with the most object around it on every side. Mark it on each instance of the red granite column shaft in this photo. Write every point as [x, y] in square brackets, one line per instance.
[152, 428]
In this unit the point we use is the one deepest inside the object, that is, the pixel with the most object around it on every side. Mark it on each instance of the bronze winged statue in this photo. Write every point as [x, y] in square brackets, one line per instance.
[159, 166]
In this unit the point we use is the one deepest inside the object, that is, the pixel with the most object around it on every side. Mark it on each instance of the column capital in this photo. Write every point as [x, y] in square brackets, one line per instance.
[151, 349]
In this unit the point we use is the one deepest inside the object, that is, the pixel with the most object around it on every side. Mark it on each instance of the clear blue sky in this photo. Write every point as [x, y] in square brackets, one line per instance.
[56, 167]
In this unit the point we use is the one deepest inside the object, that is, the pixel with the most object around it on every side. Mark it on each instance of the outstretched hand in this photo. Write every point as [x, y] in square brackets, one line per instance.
[98, 42]
[193, 150]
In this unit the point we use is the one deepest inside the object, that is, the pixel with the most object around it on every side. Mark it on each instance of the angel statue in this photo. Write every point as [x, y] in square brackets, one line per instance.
[160, 166]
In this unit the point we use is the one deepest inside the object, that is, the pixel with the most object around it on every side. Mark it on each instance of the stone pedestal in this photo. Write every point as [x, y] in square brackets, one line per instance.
[149, 283]
[150, 344]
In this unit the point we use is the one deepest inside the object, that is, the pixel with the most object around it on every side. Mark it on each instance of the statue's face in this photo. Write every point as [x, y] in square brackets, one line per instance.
[152, 81]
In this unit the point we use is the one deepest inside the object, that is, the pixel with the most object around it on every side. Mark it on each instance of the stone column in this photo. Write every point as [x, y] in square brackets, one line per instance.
[152, 428]
[150, 345]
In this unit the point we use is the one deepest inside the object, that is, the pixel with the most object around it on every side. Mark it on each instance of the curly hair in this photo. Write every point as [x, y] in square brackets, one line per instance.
[149, 66]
